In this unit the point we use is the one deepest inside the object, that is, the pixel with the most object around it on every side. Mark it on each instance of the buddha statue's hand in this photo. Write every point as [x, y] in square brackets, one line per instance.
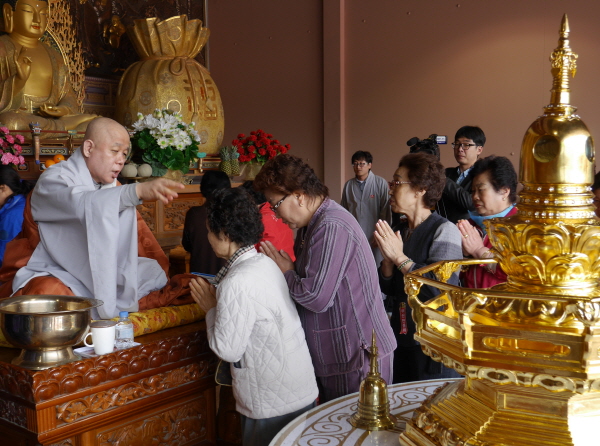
[23, 65]
[16, 69]
[53, 111]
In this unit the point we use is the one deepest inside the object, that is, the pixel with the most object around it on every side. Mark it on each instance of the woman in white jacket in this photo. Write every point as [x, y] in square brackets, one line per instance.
[252, 322]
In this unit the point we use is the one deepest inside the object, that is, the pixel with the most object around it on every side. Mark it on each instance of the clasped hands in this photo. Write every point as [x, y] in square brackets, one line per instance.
[204, 293]
[281, 258]
[472, 242]
[391, 246]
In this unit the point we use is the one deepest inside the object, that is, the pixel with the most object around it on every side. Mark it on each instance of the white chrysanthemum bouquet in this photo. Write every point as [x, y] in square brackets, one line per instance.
[165, 141]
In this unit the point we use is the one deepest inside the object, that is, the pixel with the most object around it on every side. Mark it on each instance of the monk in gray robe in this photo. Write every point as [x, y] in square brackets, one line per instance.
[88, 229]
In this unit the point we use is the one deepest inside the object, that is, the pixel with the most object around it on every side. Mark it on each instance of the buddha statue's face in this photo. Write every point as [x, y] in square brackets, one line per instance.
[30, 18]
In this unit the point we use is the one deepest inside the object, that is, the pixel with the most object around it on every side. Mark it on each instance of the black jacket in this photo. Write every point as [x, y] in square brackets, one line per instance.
[456, 201]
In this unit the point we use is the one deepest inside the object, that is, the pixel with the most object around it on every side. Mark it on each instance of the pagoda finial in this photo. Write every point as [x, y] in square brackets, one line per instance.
[564, 63]
[374, 370]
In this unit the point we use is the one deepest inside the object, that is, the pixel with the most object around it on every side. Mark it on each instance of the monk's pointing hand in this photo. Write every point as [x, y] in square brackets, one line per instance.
[160, 189]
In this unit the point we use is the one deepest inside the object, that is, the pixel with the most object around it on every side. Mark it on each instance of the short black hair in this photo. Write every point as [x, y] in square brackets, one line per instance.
[501, 171]
[362, 155]
[471, 132]
[10, 178]
[213, 180]
[232, 212]
[257, 196]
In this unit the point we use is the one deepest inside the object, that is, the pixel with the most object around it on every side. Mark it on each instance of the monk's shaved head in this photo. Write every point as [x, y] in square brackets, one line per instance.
[105, 148]
[100, 127]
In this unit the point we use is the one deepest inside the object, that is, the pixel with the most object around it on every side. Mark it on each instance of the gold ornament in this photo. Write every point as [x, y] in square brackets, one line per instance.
[168, 77]
[373, 412]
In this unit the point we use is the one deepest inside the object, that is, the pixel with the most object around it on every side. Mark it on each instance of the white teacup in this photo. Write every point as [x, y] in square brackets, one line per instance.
[103, 336]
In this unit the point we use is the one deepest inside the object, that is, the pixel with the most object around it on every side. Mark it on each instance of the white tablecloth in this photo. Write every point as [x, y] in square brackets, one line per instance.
[329, 424]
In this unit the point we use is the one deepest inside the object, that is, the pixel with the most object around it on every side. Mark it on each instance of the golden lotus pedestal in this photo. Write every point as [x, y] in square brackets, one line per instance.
[531, 366]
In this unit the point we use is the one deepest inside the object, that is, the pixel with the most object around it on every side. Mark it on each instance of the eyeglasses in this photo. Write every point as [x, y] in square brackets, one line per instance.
[395, 183]
[465, 147]
[274, 208]
[357, 164]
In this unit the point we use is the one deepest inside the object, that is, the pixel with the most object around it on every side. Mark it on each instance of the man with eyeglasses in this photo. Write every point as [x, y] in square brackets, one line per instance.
[366, 196]
[456, 201]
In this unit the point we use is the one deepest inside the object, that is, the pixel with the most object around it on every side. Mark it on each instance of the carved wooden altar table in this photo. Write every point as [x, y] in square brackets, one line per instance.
[329, 423]
[161, 392]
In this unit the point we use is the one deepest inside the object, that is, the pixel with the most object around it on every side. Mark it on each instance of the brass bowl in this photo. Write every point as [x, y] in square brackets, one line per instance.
[45, 327]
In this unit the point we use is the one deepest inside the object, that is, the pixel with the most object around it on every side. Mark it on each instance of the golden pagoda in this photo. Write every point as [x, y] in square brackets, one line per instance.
[529, 348]
[373, 410]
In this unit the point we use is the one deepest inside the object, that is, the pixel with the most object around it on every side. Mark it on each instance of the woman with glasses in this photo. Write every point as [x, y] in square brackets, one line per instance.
[333, 280]
[422, 237]
[494, 194]
[253, 323]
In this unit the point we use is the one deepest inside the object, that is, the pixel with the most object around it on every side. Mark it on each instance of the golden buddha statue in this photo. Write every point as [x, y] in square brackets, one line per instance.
[34, 79]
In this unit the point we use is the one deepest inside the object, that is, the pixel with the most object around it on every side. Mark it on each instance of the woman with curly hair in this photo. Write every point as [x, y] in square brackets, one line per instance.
[421, 237]
[494, 195]
[333, 280]
[253, 323]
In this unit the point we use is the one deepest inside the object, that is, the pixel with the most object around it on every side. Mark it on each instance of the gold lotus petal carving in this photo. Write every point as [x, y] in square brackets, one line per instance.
[558, 254]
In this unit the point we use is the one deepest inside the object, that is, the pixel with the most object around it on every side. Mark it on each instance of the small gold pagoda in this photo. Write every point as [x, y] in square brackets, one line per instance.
[529, 348]
[373, 410]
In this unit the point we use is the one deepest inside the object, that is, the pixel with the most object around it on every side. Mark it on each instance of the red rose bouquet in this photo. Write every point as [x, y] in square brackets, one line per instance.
[259, 147]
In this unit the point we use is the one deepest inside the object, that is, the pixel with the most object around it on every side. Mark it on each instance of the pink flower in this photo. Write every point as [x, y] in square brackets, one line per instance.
[21, 160]
[7, 158]
[20, 138]
[4, 130]
[10, 139]
[18, 149]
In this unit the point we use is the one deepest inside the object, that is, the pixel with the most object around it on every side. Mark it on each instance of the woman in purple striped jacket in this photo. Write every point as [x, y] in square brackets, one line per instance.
[333, 280]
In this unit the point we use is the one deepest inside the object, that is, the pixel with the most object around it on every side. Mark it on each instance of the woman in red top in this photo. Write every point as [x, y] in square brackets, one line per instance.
[494, 194]
[276, 231]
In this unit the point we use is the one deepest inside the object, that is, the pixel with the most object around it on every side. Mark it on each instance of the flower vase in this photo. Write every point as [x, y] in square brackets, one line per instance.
[175, 175]
[250, 170]
[168, 77]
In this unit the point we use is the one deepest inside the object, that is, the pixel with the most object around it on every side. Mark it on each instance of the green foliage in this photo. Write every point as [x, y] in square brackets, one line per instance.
[163, 158]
